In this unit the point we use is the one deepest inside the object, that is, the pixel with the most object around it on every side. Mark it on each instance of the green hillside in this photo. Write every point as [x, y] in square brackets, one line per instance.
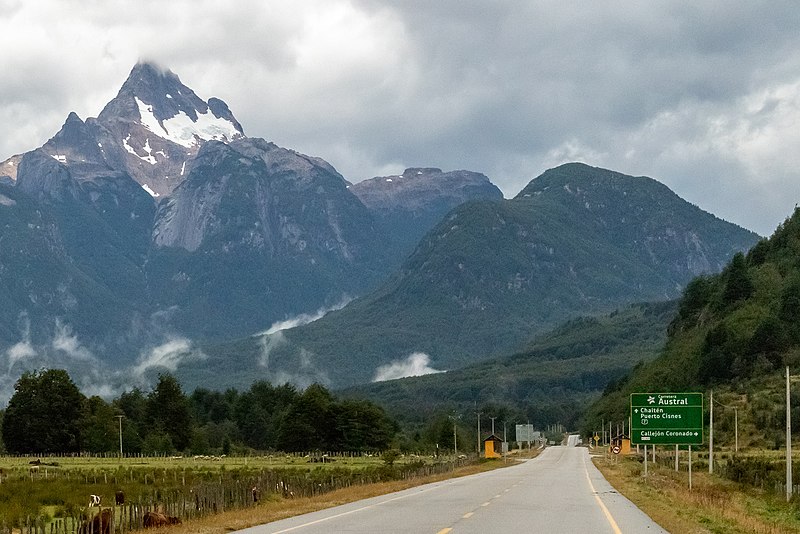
[578, 240]
[551, 380]
[734, 333]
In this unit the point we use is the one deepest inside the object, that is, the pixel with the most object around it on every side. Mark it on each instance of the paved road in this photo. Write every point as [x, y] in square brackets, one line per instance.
[559, 491]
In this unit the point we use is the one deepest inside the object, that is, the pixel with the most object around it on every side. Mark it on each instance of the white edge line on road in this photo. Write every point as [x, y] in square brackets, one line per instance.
[328, 518]
[608, 515]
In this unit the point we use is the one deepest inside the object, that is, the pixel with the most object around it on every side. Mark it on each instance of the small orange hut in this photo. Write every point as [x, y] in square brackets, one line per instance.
[492, 447]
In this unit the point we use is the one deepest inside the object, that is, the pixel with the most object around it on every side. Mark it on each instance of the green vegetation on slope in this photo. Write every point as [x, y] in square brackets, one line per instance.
[733, 333]
[577, 241]
[551, 380]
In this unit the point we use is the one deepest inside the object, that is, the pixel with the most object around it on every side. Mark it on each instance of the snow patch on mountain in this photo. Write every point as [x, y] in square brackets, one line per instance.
[150, 191]
[182, 130]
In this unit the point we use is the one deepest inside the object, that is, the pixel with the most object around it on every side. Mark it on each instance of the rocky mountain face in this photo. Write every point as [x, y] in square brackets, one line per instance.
[154, 127]
[129, 239]
[260, 232]
[159, 220]
[576, 240]
[407, 205]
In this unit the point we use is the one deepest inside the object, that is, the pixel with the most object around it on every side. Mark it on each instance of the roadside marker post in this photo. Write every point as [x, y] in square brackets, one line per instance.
[645, 461]
[676, 458]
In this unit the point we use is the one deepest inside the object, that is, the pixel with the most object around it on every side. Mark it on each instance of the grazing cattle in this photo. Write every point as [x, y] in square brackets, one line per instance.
[99, 524]
[94, 500]
[155, 519]
[283, 488]
[119, 498]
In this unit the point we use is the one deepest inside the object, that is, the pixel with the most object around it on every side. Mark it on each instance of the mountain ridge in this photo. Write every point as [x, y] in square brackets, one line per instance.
[158, 224]
[492, 273]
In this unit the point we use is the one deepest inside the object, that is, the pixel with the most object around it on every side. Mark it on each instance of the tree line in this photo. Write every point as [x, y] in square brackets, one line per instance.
[48, 414]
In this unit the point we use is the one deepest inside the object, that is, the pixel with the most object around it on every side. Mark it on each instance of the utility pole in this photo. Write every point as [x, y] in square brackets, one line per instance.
[711, 438]
[735, 425]
[788, 439]
[455, 418]
[455, 439]
[505, 442]
[493, 418]
[120, 434]
[479, 434]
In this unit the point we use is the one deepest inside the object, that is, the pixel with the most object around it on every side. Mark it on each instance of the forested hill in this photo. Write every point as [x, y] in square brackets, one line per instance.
[578, 240]
[550, 380]
[734, 332]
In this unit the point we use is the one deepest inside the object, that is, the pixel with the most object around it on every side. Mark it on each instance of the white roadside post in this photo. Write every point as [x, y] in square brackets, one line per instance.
[645, 461]
[676, 458]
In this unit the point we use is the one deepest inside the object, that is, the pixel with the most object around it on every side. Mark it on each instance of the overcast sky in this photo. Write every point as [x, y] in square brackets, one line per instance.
[703, 96]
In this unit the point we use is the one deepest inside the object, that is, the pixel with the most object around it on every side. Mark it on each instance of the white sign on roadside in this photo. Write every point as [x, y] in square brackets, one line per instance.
[526, 433]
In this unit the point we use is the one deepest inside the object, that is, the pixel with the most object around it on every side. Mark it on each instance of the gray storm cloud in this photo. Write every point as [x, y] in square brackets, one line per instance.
[702, 96]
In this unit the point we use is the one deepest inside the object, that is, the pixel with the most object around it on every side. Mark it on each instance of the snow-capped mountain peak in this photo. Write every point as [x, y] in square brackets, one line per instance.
[186, 131]
[155, 125]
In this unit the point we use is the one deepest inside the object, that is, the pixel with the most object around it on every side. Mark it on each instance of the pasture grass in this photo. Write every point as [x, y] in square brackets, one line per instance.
[60, 487]
[714, 505]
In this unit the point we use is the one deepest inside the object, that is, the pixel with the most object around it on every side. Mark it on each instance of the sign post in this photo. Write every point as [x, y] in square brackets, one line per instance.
[667, 419]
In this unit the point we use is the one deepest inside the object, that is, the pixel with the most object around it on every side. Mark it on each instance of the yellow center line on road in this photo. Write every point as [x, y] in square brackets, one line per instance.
[497, 496]
[487, 503]
[467, 515]
[444, 530]
[608, 515]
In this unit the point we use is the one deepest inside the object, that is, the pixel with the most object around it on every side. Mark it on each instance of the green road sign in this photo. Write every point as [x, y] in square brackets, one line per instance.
[667, 418]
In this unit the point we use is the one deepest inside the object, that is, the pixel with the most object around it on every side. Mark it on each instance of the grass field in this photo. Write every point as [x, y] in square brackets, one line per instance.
[56, 490]
[714, 505]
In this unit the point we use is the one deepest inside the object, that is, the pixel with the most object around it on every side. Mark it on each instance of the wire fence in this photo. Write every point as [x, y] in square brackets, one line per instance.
[173, 495]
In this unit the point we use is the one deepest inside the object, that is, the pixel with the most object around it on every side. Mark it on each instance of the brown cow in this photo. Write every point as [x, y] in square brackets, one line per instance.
[155, 519]
[99, 524]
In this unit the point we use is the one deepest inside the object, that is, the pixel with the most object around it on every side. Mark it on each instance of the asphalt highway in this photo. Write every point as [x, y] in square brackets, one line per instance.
[559, 491]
